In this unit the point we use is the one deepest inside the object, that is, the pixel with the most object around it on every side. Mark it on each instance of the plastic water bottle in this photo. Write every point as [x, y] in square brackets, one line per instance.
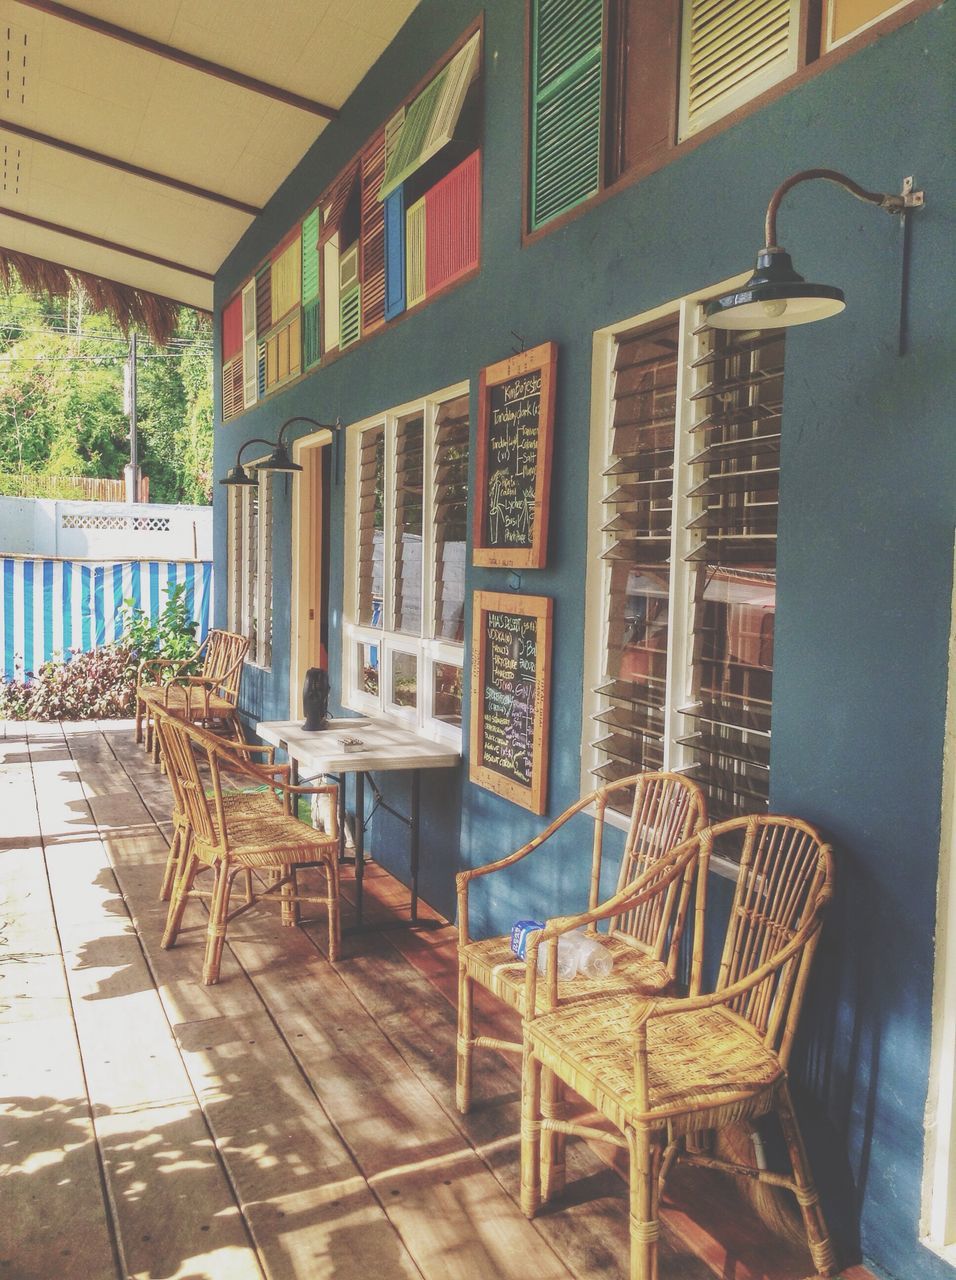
[594, 960]
[568, 955]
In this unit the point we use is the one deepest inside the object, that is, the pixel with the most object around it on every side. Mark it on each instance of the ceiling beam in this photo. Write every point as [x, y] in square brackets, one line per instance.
[101, 243]
[185, 59]
[112, 162]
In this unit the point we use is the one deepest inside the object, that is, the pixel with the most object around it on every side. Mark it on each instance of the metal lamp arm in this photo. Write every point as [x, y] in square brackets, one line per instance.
[908, 199]
[323, 426]
[254, 440]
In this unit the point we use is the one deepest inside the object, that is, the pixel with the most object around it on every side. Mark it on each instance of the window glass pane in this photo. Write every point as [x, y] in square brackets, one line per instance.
[368, 657]
[451, 499]
[371, 532]
[446, 693]
[404, 680]
[409, 474]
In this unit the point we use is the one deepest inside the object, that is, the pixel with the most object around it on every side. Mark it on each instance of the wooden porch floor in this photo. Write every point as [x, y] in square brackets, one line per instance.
[294, 1121]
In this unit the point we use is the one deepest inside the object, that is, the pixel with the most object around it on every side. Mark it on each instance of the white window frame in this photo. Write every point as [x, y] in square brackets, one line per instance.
[242, 611]
[679, 670]
[428, 649]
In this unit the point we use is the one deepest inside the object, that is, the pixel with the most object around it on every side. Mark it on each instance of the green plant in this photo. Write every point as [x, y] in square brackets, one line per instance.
[97, 685]
[172, 635]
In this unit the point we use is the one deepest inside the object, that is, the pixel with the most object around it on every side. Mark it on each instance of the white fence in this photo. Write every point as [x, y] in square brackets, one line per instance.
[104, 530]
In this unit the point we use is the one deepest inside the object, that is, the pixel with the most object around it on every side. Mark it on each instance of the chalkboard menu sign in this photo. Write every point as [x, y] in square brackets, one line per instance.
[510, 696]
[515, 418]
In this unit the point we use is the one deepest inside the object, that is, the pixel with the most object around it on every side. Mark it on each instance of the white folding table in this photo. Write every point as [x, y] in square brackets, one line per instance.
[387, 748]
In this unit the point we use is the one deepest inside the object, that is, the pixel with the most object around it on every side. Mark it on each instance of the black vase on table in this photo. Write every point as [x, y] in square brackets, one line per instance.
[315, 698]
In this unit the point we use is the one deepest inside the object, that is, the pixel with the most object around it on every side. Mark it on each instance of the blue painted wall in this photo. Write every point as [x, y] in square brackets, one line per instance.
[867, 515]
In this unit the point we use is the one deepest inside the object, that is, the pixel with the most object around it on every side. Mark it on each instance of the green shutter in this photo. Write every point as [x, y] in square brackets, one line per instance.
[406, 157]
[310, 256]
[350, 316]
[311, 342]
[566, 105]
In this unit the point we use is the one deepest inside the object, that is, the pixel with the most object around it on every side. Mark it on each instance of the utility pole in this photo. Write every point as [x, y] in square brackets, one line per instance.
[132, 470]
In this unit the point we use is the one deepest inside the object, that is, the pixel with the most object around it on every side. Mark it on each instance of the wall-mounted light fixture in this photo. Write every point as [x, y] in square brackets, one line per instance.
[278, 460]
[775, 295]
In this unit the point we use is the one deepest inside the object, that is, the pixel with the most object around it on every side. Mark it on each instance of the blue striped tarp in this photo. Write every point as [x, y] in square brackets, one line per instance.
[50, 607]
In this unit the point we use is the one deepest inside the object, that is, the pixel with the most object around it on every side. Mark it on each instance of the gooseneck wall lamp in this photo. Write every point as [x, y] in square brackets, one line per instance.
[775, 295]
[278, 460]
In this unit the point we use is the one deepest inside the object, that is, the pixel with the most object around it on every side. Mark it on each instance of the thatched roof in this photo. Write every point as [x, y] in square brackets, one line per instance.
[129, 307]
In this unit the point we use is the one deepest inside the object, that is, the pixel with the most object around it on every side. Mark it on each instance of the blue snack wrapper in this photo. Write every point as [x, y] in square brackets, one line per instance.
[519, 935]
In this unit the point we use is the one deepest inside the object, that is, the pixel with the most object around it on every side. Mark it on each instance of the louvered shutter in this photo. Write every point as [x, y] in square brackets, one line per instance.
[452, 224]
[232, 329]
[732, 52]
[450, 516]
[373, 236]
[371, 522]
[738, 416]
[430, 121]
[415, 253]
[408, 487]
[336, 202]
[287, 279]
[566, 103]
[350, 316]
[232, 388]
[261, 369]
[394, 207]
[638, 506]
[310, 257]
[250, 357]
[311, 331]
[263, 300]
[330, 292]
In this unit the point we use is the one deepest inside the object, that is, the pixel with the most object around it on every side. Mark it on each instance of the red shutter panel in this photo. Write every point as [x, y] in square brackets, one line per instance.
[232, 329]
[452, 217]
[373, 235]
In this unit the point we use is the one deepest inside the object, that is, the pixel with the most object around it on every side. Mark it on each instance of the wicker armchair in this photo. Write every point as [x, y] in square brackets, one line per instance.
[643, 938]
[227, 841]
[211, 695]
[663, 1069]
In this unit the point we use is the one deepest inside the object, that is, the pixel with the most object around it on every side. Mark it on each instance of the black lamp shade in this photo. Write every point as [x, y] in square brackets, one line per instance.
[774, 297]
[278, 460]
[238, 475]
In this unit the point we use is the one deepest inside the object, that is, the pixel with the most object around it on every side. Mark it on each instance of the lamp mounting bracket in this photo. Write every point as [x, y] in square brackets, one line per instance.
[907, 199]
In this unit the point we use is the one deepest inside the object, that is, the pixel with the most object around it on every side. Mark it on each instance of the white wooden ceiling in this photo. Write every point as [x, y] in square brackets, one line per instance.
[88, 89]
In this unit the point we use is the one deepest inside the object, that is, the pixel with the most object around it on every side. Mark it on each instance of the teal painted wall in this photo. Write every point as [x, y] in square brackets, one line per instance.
[867, 516]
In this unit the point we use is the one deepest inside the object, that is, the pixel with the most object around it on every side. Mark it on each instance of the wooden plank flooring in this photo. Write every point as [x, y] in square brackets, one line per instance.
[295, 1121]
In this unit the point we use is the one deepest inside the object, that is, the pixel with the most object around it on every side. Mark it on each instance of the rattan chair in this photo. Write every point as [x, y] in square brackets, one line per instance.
[643, 939]
[211, 696]
[264, 845]
[661, 1070]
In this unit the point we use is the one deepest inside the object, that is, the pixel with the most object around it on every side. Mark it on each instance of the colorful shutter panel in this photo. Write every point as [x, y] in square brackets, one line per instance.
[264, 299]
[330, 292]
[250, 357]
[262, 369]
[232, 329]
[311, 330]
[335, 203]
[431, 120]
[287, 280]
[451, 224]
[415, 253]
[373, 235]
[350, 316]
[730, 53]
[232, 388]
[349, 267]
[394, 207]
[310, 256]
[566, 105]
[844, 18]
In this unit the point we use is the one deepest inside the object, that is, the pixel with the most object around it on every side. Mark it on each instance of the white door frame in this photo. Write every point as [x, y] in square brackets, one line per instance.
[306, 558]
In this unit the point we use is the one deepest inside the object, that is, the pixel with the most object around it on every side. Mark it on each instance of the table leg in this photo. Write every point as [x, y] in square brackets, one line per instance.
[414, 833]
[359, 841]
[342, 817]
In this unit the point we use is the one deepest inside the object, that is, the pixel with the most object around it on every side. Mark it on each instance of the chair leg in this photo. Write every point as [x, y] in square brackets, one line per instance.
[644, 1223]
[150, 730]
[553, 1107]
[332, 899]
[216, 929]
[172, 865]
[818, 1237]
[181, 888]
[139, 719]
[152, 739]
[291, 912]
[530, 1132]
[465, 1041]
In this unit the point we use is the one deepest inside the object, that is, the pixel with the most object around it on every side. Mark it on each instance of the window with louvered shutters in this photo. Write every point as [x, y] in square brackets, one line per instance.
[311, 314]
[232, 402]
[451, 224]
[730, 53]
[371, 558]
[264, 574]
[287, 279]
[373, 235]
[738, 412]
[566, 100]
[407, 562]
[415, 249]
[451, 502]
[637, 512]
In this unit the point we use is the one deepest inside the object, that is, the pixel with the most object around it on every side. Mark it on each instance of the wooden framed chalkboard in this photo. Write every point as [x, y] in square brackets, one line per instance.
[511, 696]
[513, 470]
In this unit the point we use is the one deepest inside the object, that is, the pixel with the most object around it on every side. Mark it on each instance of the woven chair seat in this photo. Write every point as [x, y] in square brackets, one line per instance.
[704, 1062]
[187, 701]
[276, 839]
[492, 963]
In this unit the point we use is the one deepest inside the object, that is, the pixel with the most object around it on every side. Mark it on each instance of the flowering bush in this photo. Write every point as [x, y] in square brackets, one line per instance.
[101, 684]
